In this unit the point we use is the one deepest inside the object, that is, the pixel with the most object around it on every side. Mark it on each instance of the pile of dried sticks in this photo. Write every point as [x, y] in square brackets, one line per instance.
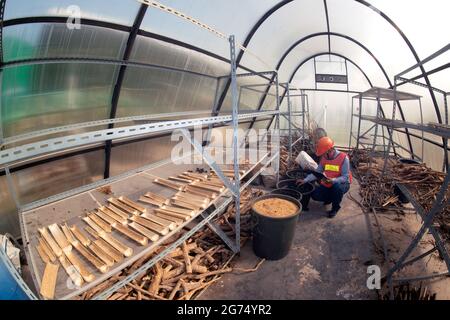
[187, 270]
[424, 184]
[408, 293]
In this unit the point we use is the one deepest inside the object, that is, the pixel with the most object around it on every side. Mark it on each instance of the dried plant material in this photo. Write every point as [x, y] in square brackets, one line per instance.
[275, 207]
[173, 214]
[92, 232]
[144, 231]
[131, 234]
[179, 251]
[183, 180]
[59, 236]
[162, 230]
[109, 261]
[67, 233]
[105, 217]
[47, 250]
[42, 254]
[122, 206]
[186, 204]
[48, 282]
[101, 223]
[71, 271]
[187, 212]
[110, 250]
[100, 265]
[79, 266]
[123, 249]
[80, 236]
[153, 202]
[119, 212]
[163, 222]
[208, 187]
[201, 192]
[50, 241]
[169, 184]
[105, 190]
[192, 196]
[93, 225]
[107, 212]
[132, 204]
[170, 218]
[154, 286]
[156, 197]
[187, 259]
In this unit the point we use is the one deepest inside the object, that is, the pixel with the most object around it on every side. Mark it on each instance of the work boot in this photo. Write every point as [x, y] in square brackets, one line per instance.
[331, 213]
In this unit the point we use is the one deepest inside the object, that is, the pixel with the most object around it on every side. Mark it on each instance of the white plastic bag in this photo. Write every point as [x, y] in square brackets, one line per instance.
[305, 161]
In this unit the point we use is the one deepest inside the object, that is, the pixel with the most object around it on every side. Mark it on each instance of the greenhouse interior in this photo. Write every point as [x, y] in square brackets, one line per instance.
[224, 150]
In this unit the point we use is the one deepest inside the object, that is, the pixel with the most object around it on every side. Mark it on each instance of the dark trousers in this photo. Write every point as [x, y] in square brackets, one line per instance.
[331, 195]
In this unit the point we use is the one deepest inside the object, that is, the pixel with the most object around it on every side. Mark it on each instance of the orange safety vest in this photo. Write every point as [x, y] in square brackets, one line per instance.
[333, 168]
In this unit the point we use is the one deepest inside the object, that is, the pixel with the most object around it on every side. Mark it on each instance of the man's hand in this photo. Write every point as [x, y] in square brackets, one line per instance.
[299, 181]
[328, 180]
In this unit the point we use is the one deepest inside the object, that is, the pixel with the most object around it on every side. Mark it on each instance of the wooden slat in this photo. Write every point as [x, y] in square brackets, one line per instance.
[144, 231]
[80, 236]
[48, 282]
[50, 241]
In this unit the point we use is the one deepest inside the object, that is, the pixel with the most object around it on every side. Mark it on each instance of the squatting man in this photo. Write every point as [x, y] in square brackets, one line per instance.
[335, 166]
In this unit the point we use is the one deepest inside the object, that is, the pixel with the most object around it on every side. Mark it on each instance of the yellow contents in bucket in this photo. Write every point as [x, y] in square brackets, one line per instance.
[275, 207]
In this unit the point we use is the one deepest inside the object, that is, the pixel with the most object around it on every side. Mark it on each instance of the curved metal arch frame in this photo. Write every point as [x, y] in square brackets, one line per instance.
[334, 54]
[329, 34]
[362, 2]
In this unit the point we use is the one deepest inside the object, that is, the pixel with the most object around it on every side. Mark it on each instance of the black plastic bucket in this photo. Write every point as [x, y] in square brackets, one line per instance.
[305, 190]
[287, 184]
[296, 174]
[272, 236]
[288, 192]
[409, 161]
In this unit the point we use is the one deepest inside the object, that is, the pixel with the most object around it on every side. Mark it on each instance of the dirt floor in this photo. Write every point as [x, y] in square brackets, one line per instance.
[329, 258]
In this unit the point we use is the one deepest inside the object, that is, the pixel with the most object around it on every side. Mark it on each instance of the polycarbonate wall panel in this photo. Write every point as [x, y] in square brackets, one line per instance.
[356, 79]
[138, 154]
[332, 111]
[301, 52]
[369, 28]
[47, 179]
[422, 22]
[44, 96]
[149, 91]
[304, 77]
[43, 40]
[232, 17]
[157, 52]
[285, 26]
[9, 221]
[117, 11]
[361, 58]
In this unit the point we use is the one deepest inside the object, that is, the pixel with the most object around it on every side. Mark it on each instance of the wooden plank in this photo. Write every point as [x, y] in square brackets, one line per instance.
[132, 204]
[81, 268]
[169, 184]
[107, 212]
[122, 206]
[100, 265]
[144, 231]
[71, 271]
[163, 222]
[153, 202]
[168, 217]
[133, 235]
[92, 232]
[186, 212]
[50, 241]
[68, 234]
[110, 250]
[93, 225]
[100, 222]
[119, 212]
[79, 235]
[48, 282]
[151, 225]
[59, 236]
[105, 217]
[155, 196]
[47, 250]
[42, 254]
[123, 249]
[173, 214]
[109, 261]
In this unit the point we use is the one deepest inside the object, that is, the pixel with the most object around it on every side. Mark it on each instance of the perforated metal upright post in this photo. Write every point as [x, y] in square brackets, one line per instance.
[277, 127]
[235, 112]
[289, 124]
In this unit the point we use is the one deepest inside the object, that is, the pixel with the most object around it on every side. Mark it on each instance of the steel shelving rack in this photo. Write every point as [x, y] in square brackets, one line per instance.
[24, 152]
[392, 125]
